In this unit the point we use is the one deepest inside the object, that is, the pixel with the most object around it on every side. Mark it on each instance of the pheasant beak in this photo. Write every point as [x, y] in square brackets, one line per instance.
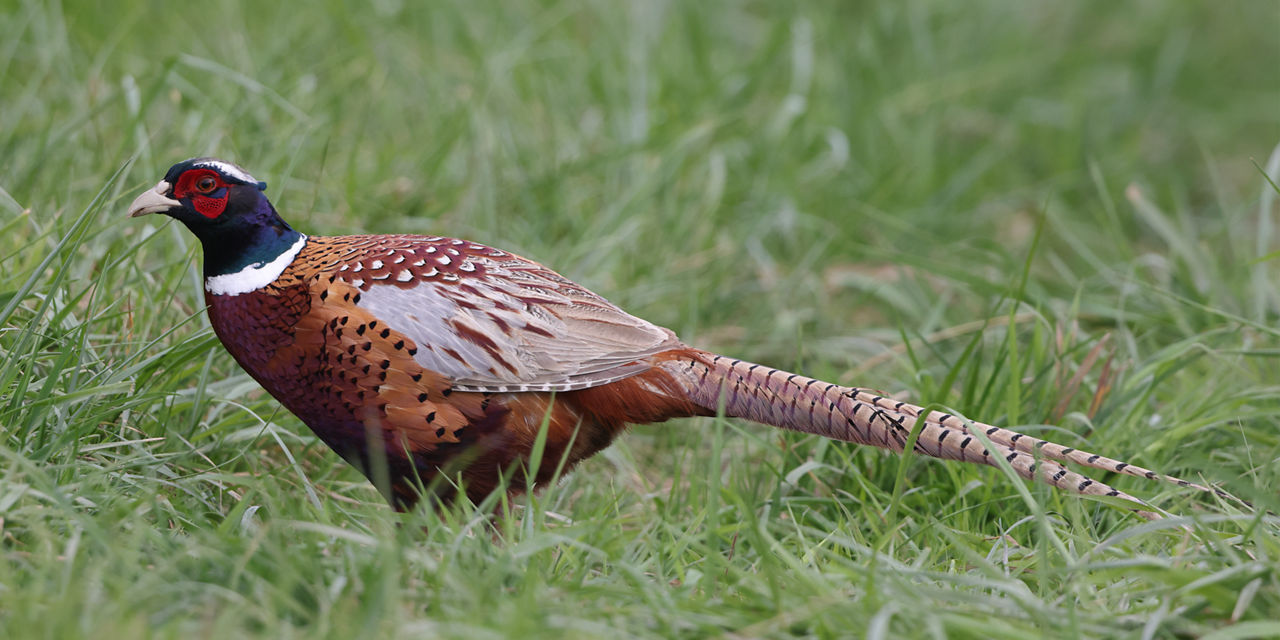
[153, 201]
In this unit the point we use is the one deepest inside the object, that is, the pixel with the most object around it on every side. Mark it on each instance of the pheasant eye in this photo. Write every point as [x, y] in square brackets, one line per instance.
[206, 184]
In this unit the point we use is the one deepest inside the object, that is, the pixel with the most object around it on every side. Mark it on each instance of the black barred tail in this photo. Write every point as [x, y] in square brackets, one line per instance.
[791, 401]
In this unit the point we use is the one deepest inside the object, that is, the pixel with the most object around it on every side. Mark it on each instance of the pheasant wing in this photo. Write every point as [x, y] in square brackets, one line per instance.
[489, 320]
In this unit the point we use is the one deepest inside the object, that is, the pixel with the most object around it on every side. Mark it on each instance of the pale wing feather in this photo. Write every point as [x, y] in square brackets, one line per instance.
[514, 325]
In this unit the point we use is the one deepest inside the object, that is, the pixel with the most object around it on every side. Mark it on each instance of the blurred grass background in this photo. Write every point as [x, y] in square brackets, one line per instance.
[1033, 212]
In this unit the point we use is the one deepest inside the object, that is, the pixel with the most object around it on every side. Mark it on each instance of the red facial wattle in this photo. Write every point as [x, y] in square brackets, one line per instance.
[209, 203]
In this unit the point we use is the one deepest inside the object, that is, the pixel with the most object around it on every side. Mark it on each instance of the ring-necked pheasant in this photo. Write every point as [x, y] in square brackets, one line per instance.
[416, 355]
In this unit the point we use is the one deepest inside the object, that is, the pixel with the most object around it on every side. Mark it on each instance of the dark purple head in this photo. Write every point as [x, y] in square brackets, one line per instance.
[202, 192]
[225, 207]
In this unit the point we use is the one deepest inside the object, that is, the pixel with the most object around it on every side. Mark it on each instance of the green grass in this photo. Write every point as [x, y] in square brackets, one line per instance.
[853, 190]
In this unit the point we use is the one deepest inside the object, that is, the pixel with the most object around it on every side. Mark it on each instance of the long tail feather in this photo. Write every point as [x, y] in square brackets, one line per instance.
[798, 403]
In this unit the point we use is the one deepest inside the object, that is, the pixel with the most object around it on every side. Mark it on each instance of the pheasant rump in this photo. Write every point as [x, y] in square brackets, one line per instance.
[417, 356]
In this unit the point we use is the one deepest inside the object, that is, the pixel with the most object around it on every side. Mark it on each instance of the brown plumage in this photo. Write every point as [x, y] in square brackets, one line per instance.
[426, 361]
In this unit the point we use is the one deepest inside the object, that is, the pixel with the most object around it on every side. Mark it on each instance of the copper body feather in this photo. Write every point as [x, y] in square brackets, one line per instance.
[377, 396]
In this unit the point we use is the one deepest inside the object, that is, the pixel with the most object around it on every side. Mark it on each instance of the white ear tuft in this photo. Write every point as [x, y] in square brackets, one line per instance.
[227, 169]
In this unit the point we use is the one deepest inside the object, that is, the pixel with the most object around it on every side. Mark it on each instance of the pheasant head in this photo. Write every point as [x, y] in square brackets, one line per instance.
[227, 209]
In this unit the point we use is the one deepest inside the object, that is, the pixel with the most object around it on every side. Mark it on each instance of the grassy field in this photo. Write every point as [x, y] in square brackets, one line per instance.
[1037, 213]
